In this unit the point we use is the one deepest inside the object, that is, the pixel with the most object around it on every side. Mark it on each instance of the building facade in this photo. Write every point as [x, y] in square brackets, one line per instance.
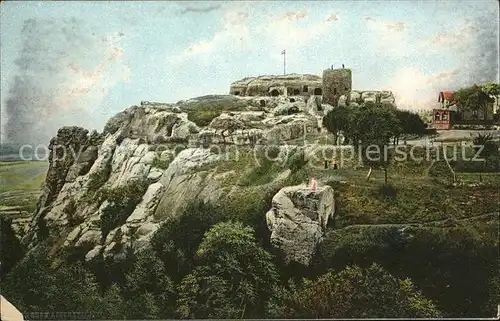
[443, 119]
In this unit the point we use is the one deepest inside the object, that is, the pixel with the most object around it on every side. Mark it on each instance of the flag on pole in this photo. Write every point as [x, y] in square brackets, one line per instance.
[283, 52]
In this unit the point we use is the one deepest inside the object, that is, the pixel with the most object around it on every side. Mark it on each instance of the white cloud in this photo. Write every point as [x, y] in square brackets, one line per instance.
[238, 34]
[232, 36]
[417, 89]
[457, 39]
[287, 31]
[390, 37]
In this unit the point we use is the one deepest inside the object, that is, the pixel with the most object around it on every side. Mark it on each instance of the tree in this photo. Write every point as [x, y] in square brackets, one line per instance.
[35, 285]
[358, 293]
[472, 98]
[148, 292]
[177, 240]
[491, 89]
[11, 249]
[233, 277]
[455, 267]
[337, 120]
[374, 127]
[411, 123]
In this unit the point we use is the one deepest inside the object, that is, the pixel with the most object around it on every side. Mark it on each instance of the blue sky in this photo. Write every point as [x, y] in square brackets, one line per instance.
[125, 52]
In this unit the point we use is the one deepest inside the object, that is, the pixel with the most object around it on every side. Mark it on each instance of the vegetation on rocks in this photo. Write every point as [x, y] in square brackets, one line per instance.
[162, 161]
[417, 241]
[122, 202]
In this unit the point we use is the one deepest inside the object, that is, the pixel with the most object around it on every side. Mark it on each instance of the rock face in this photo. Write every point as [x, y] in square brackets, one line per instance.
[286, 85]
[355, 98]
[298, 219]
[153, 157]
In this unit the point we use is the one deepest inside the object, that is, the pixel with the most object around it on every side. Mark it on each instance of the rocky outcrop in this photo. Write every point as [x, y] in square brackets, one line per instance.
[298, 219]
[287, 85]
[291, 127]
[356, 98]
[158, 148]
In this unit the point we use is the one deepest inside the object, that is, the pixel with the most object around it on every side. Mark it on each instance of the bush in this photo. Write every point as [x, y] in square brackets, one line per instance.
[11, 249]
[34, 284]
[436, 259]
[386, 192]
[177, 240]
[357, 293]
[148, 292]
[202, 117]
[234, 277]
[297, 161]
[250, 208]
[70, 211]
[123, 201]
[262, 174]
[162, 162]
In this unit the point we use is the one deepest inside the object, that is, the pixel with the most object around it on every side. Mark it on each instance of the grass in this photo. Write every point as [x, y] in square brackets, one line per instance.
[413, 196]
[202, 117]
[162, 162]
[21, 184]
[202, 110]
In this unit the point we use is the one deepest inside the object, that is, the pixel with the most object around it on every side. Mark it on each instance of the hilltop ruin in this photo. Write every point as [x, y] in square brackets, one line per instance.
[334, 88]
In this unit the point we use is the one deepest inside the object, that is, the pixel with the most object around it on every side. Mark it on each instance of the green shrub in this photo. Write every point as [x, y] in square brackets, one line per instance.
[354, 293]
[177, 239]
[233, 277]
[162, 162]
[202, 117]
[259, 175]
[297, 161]
[12, 250]
[250, 207]
[454, 267]
[98, 179]
[70, 211]
[123, 201]
[386, 192]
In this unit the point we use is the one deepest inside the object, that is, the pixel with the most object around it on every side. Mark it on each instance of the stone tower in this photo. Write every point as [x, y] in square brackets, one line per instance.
[336, 82]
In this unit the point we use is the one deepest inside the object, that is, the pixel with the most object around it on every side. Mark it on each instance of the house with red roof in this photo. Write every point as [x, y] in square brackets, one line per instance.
[447, 99]
[450, 113]
[443, 118]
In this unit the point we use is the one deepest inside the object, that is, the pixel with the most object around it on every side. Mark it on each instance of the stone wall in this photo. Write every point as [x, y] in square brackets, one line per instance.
[286, 85]
[336, 82]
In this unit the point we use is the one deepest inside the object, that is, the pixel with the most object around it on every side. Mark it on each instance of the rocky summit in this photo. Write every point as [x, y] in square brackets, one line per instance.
[105, 192]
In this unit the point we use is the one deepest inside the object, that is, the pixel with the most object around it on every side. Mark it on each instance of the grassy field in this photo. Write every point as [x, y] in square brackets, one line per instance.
[20, 185]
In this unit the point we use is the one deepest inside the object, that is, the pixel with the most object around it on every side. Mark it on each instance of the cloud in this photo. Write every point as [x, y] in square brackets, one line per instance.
[294, 16]
[199, 9]
[473, 45]
[390, 37]
[381, 25]
[292, 30]
[414, 89]
[332, 17]
[288, 33]
[64, 70]
[232, 36]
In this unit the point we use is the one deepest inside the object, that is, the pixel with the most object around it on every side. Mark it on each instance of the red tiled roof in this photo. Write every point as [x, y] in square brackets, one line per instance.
[449, 95]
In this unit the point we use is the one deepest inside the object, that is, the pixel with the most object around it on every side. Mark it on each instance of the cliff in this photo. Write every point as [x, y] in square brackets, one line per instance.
[106, 192]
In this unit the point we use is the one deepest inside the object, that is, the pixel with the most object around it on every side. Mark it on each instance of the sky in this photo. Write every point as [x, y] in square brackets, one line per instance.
[80, 63]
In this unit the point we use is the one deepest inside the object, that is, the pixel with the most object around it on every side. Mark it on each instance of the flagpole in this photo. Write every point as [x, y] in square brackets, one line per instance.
[284, 62]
